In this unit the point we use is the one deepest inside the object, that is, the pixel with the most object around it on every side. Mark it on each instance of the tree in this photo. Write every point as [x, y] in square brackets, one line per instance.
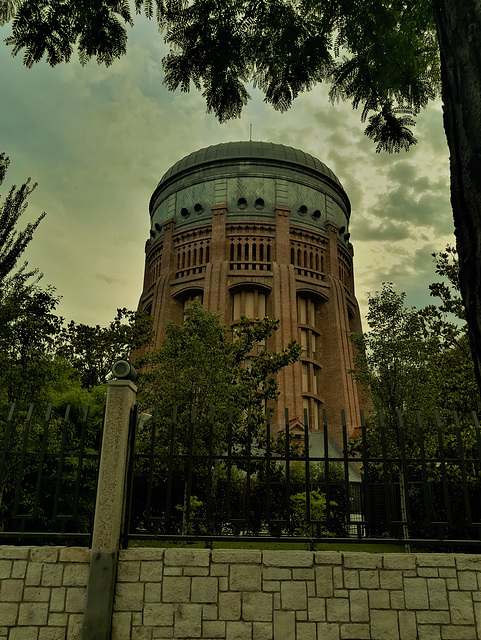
[28, 324]
[395, 361]
[28, 334]
[389, 58]
[92, 350]
[200, 366]
[419, 361]
[12, 242]
[210, 391]
[447, 321]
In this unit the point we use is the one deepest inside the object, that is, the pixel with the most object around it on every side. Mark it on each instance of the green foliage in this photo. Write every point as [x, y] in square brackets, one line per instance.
[317, 511]
[199, 369]
[394, 360]
[12, 242]
[28, 323]
[43, 473]
[51, 28]
[28, 333]
[92, 351]
[382, 56]
[412, 359]
[458, 389]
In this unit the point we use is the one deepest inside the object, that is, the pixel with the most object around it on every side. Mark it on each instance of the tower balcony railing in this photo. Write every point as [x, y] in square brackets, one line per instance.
[241, 265]
[190, 271]
[309, 273]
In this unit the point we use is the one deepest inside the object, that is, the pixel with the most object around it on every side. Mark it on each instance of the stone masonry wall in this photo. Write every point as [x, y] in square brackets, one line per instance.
[246, 595]
[296, 595]
[42, 592]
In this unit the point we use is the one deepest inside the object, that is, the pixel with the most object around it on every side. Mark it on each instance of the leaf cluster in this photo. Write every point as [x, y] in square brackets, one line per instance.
[201, 369]
[12, 242]
[382, 55]
[92, 350]
[51, 29]
[394, 363]
[28, 333]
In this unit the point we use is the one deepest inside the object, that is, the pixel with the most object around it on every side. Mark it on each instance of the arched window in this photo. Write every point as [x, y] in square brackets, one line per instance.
[189, 298]
[250, 303]
[310, 339]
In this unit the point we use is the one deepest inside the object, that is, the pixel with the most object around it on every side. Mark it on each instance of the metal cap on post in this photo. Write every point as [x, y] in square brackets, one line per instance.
[109, 507]
[123, 370]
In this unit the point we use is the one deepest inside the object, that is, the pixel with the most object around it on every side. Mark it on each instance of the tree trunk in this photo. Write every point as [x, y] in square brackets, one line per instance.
[459, 33]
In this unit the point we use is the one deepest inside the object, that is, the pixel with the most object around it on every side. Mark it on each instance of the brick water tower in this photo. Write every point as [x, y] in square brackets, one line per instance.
[256, 229]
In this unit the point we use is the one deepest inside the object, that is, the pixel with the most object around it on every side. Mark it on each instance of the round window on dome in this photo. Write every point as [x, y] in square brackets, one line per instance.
[184, 212]
[302, 210]
[259, 203]
[158, 227]
[198, 208]
[241, 203]
[316, 215]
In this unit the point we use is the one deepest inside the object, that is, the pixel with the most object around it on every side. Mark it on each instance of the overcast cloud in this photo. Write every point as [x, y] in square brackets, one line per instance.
[98, 140]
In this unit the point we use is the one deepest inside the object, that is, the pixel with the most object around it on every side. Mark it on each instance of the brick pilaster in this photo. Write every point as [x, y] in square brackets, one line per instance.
[332, 257]
[168, 248]
[282, 245]
[218, 242]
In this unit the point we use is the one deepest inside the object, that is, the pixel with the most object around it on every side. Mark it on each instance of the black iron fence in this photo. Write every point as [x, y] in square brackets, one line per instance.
[48, 475]
[405, 479]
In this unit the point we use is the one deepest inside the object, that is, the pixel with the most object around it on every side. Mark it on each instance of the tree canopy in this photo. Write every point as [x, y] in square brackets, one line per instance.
[383, 56]
[412, 359]
[13, 242]
[200, 367]
[92, 350]
[388, 57]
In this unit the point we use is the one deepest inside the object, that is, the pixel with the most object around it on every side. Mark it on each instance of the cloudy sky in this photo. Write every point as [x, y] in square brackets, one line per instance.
[98, 140]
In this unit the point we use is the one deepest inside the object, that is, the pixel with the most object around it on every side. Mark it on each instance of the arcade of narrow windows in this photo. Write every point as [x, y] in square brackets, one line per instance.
[250, 253]
[251, 304]
[192, 257]
[307, 317]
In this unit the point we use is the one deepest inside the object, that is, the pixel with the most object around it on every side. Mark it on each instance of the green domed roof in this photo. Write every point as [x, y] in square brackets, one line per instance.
[245, 151]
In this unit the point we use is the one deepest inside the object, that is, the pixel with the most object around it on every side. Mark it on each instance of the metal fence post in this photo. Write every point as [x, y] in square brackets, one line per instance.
[109, 510]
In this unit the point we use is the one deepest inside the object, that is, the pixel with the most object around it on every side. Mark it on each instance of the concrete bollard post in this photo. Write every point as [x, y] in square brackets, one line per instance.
[109, 511]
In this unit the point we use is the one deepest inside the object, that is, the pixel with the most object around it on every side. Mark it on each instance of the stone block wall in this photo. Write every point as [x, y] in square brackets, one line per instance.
[246, 595]
[296, 595]
[42, 592]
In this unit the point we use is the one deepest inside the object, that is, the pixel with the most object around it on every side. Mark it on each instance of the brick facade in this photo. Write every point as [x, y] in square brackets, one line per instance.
[297, 256]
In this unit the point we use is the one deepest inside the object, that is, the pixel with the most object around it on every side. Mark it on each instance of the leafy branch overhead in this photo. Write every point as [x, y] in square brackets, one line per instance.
[389, 58]
[382, 56]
